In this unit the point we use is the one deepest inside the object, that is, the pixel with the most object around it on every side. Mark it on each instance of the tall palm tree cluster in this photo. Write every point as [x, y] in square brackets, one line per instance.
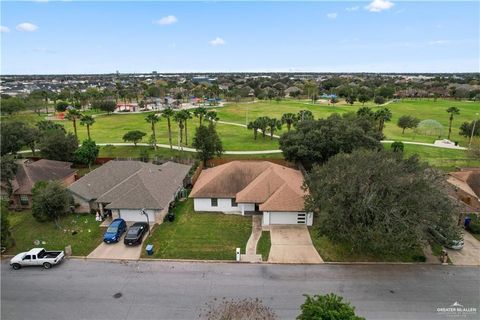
[264, 124]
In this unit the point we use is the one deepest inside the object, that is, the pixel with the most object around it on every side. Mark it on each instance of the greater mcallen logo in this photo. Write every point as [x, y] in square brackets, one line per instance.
[457, 309]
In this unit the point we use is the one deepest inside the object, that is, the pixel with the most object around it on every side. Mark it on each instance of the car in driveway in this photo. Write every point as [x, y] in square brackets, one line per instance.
[114, 231]
[135, 233]
[454, 242]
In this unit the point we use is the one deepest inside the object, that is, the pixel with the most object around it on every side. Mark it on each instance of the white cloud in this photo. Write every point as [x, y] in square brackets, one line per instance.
[379, 5]
[332, 15]
[355, 8]
[27, 27]
[44, 50]
[217, 42]
[4, 29]
[167, 20]
[437, 42]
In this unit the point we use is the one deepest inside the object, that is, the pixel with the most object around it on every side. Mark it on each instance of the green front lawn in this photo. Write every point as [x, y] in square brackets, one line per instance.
[199, 235]
[331, 251]
[25, 230]
[264, 244]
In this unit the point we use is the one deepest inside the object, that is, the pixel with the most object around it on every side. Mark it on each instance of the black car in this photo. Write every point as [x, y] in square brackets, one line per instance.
[135, 233]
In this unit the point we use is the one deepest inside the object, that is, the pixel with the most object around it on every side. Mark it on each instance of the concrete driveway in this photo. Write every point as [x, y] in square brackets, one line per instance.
[469, 255]
[292, 244]
[116, 251]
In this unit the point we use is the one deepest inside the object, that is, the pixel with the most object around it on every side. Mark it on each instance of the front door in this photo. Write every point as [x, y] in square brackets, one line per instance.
[257, 207]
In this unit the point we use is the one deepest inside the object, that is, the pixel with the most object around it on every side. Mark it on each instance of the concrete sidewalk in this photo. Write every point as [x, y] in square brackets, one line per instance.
[251, 249]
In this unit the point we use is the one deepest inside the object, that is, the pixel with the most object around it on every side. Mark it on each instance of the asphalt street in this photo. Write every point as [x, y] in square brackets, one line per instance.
[86, 289]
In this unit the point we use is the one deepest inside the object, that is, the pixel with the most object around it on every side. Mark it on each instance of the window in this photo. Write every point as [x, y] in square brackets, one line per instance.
[24, 200]
[214, 202]
[27, 257]
[234, 203]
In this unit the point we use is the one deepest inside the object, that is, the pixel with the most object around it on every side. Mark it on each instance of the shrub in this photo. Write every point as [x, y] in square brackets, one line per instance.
[419, 258]
[474, 228]
[327, 307]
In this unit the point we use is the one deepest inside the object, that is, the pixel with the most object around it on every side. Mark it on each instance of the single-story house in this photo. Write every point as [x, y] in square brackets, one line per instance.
[127, 187]
[466, 186]
[263, 187]
[30, 172]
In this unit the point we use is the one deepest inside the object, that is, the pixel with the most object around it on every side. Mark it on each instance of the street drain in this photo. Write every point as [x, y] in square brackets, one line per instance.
[117, 295]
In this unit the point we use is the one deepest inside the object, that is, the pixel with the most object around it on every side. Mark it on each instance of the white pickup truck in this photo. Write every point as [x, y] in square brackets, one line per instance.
[37, 257]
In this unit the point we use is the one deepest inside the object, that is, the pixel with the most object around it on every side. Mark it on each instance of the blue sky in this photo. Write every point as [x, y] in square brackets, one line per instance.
[51, 37]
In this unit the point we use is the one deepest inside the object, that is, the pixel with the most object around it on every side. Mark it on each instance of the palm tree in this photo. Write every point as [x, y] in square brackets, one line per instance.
[200, 112]
[289, 119]
[152, 119]
[87, 120]
[253, 125]
[383, 115]
[263, 124]
[73, 115]
[212, 116]
[274, 125]
[186, 116]
[305, 115]
[168, 113]
[453, 111]
[179, 118]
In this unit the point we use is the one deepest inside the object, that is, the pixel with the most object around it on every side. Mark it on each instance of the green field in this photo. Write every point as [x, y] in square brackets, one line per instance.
[422, 109]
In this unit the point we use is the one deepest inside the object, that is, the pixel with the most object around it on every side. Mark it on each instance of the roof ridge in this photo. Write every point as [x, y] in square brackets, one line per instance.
[121, 182]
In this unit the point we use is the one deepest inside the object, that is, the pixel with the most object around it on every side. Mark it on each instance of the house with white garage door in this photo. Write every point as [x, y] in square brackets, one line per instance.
[127, 187]
[262, 187]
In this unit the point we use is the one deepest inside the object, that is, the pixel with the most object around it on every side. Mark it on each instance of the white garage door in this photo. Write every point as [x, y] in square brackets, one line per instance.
[287, 218]
[135, 215]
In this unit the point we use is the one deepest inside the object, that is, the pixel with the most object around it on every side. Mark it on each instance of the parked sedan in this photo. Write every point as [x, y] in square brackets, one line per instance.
[135, 233]
[115, 231]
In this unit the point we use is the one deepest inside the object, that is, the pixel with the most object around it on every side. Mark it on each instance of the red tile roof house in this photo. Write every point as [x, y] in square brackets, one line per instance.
[29, 173]
[240, 187]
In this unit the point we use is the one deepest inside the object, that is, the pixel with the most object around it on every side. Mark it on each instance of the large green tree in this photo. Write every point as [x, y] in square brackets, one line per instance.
[274, 125]
[407, 122]
[315, 141]
[50, 202]
[453, 111]
[207, 142]
[253, 125]
[58, 145]
[134, 136]
[8, 169]
[327, 307]
[17, 134]
[378, 202]
[87, 153]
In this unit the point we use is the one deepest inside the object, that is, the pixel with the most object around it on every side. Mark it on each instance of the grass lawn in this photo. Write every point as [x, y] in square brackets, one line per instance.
[193, 235]
[331, 251]
[25, 230]
[264, 244]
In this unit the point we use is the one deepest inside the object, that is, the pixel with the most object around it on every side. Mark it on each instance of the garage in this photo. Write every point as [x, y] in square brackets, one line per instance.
[135, 215]
[287, 218]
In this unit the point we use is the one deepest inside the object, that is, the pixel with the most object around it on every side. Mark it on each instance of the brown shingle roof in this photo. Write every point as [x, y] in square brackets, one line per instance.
[468, 181]
[132, 184]
[274, 187]
[28, 173]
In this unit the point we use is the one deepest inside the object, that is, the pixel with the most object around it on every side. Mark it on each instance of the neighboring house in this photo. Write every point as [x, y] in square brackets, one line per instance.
[30, 172]
[466, 185]
[292, 90]
[126, 187]
[240, 187]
